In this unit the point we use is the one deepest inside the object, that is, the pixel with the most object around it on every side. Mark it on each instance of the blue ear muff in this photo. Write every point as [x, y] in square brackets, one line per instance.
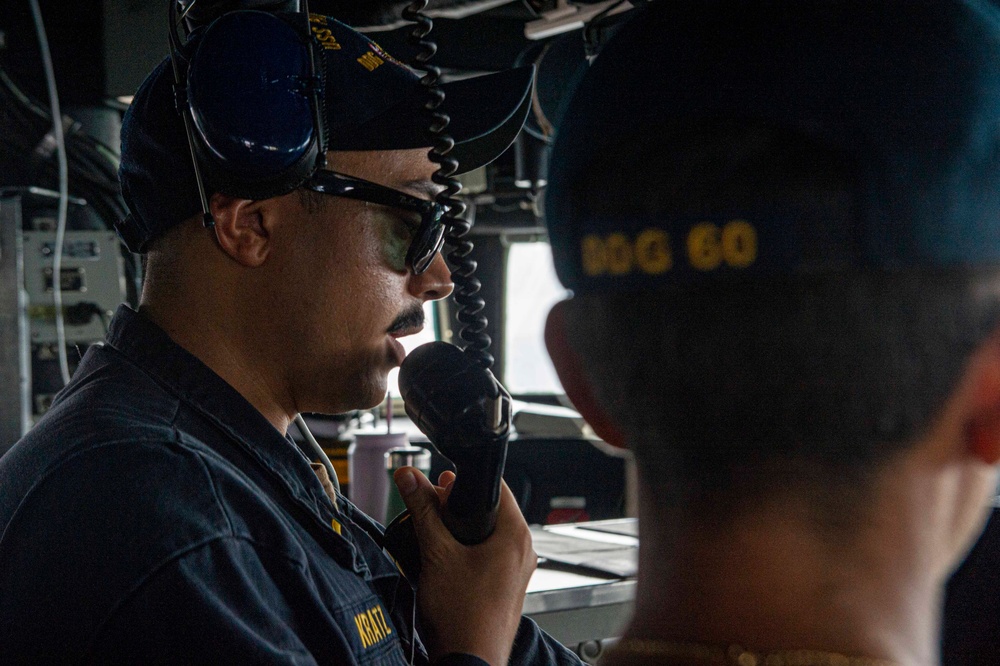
[252, 90]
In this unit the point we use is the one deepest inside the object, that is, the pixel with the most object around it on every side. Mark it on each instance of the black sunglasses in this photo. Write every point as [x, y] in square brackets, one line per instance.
[429, 236]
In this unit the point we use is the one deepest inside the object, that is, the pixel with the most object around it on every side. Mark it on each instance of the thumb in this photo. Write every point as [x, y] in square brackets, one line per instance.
[421, 499]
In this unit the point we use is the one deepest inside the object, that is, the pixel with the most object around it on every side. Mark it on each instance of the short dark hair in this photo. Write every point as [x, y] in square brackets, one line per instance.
[734, 391]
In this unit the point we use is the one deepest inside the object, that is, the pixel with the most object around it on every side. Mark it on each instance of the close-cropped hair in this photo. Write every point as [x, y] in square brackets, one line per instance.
[734, 392]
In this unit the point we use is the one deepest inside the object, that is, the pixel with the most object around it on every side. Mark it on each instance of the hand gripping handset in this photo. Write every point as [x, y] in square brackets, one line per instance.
[466, 413]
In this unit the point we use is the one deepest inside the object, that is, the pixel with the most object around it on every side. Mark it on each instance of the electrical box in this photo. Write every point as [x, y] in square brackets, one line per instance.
[93, 282]
[92, 279]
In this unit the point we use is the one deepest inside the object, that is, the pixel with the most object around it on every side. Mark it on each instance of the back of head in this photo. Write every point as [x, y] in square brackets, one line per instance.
[790, 216]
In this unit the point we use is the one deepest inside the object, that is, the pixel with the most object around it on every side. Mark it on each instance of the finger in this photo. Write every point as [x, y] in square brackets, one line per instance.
[446, 482]
[509, 516]
[421, 499]
[443, 494]
[446, 478]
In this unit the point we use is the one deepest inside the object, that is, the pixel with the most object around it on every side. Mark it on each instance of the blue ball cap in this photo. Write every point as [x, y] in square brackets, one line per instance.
[909, 91]
[370, 101]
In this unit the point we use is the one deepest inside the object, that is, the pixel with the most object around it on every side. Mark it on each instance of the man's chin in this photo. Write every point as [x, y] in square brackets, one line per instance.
[372, 391]
[364, 388]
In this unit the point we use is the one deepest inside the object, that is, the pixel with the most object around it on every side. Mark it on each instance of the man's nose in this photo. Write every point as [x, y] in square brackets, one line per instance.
[434, 283]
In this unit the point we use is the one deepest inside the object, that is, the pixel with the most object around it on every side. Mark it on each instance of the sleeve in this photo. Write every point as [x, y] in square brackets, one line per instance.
[534, 647]
[227, 601]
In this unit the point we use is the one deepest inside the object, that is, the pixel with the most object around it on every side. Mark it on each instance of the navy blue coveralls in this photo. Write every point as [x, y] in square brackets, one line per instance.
[154, 516]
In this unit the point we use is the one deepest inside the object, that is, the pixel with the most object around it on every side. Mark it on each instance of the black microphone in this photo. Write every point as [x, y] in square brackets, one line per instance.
[466, 414]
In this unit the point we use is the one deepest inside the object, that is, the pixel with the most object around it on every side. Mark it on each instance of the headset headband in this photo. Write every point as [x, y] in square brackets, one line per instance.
[249, 88]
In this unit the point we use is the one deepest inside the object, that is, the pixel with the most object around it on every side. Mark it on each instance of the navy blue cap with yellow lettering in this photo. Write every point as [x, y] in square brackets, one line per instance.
[910, 91]
[371, 101]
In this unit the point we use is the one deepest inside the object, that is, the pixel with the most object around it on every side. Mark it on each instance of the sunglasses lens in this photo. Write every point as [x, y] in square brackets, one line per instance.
[426, 244]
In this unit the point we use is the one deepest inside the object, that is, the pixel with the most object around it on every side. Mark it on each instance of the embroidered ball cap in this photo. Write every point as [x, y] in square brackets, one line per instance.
[908, 91]
[371, 101]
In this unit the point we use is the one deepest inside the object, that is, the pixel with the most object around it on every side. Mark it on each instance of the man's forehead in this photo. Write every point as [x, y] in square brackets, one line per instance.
[411, 162]
[408, 170]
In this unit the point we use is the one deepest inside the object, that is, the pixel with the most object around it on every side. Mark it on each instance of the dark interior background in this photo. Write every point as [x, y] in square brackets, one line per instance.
[103, 49]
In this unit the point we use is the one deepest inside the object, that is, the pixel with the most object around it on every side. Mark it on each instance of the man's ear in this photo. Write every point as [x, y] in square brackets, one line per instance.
[574, 380]
[240, 229]
[982, 427]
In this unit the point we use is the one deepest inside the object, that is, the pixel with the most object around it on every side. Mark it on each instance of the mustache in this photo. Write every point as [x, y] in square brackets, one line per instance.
[412, 318]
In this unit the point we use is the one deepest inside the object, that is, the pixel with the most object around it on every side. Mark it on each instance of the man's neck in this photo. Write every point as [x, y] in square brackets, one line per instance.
[769, 582]
[220, 342]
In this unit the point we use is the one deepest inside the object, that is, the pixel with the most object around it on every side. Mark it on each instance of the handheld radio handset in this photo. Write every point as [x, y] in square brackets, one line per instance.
[451, 394]
[466, 414]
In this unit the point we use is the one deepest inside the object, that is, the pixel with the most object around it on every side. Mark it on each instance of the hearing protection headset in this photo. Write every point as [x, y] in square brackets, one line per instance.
[250, 90]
